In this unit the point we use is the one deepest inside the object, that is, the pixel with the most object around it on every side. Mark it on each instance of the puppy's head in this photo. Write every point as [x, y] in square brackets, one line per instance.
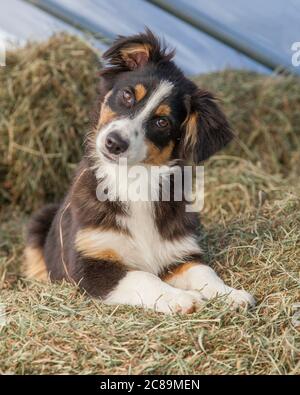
[150, 113]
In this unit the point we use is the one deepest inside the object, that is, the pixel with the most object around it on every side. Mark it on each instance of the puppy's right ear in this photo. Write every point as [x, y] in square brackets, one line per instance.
[133, 52]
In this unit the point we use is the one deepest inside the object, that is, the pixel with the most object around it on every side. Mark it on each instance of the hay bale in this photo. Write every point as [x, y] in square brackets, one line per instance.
[251, 223]
[264, 113]
[45, 98]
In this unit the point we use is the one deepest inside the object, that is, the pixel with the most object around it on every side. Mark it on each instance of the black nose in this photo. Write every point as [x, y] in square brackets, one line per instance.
[115, 144]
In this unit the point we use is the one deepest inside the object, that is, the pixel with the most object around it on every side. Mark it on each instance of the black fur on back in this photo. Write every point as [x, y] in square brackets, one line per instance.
[39, 225]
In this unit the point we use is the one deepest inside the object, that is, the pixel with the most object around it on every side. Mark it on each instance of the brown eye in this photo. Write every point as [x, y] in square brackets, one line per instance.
[162, 123]
[128, 97]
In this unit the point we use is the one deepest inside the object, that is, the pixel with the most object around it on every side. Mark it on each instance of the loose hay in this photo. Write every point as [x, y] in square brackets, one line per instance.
[45, 98]
[250, 234]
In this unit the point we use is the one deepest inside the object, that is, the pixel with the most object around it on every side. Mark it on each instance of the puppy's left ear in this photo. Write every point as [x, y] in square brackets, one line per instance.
[205, 129]
[133, 52]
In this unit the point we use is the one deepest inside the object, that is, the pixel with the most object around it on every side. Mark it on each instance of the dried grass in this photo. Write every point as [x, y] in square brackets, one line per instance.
[45, 99]
[251, 224]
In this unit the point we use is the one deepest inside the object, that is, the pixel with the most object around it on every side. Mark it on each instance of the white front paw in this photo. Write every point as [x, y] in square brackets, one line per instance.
[241, 298]
[185, 302]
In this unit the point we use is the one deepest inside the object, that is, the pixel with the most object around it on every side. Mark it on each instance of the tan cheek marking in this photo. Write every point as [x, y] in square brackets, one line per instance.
[191, 130]
[156, 156]
[34, 265]
[177, 271]
[163, 110]
[140, 92]
[85, 245]
[106, 113]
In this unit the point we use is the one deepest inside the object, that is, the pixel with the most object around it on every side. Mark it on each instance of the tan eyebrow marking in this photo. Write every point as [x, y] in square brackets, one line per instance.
[140, 92]
[157, 156]
[157, 96]
[163, 110]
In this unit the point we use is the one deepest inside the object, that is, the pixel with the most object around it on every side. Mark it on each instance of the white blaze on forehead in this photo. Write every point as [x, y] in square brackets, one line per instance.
[132, 129]
[160, 93]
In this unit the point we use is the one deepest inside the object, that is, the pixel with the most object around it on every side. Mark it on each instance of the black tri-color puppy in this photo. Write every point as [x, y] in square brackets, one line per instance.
[140, 253]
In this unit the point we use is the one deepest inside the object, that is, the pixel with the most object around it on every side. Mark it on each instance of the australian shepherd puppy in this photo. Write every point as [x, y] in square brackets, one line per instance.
[139, 253]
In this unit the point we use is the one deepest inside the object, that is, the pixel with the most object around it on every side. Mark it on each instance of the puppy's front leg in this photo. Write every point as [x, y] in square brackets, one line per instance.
[196, 276]
[110, 280]
[144, 289]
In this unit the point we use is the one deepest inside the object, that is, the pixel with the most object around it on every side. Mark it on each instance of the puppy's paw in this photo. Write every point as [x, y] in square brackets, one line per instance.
[185, 302]
[200, 299]
[238, 298]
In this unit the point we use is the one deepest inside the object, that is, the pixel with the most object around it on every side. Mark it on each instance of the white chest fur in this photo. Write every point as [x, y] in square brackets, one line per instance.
[151, 252]
[143, 248]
